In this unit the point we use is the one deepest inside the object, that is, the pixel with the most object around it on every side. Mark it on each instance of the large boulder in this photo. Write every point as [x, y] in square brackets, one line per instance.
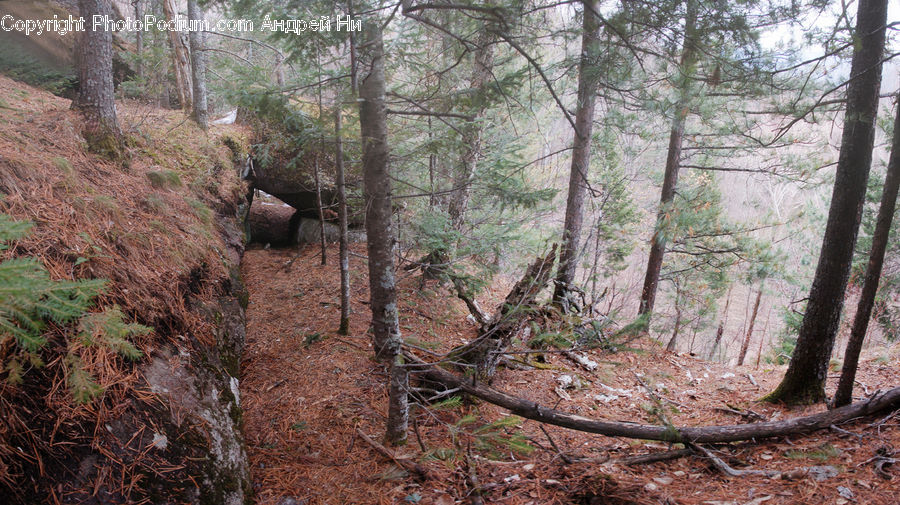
[271, 223]
[309, 231]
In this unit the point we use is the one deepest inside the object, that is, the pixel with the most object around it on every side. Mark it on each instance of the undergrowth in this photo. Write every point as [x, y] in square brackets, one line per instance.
[30, 300]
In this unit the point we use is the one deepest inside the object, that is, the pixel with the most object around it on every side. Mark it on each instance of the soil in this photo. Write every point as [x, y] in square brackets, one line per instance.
[306, 391]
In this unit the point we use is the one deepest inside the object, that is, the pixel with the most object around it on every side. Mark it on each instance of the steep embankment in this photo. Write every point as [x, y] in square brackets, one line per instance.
[164, 232]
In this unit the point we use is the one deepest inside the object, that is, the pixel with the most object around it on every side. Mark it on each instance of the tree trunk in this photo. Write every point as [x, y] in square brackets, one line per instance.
[673, 160]
[139, 35]
[279, 70]
[198, 68]
[319, 207]
[843, 396]
[323, 244]
[762, 339]
[588, 78]
[377, 182]
[670, 347]
[472, 131]
[180, 59]
[804, 381]
[344, 328]
[96, 94]
[721, 328]
[746, 343]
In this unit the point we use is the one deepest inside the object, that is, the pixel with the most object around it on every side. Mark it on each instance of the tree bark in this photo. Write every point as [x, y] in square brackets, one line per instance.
[721, 329]
[882, 232]
[139, 36]
[670, 347]
[588, 79]
[344, 328]
[673, 161]
[96, 93]
[746, 343]
[377, 183]
[699, 434]
[198, 68]
[279, 70]
[804, 381]
[322, 241]
[180, 59]
[472, 131]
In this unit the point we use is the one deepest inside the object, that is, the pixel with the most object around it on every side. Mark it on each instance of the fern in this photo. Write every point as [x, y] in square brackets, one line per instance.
[81, 383]
[30, 299]
[109, 328]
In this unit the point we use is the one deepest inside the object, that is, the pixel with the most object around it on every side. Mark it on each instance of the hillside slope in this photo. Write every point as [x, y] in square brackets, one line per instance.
[163, 229]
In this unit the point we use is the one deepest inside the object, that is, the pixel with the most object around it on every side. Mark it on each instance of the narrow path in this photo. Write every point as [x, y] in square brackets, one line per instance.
[304, 390]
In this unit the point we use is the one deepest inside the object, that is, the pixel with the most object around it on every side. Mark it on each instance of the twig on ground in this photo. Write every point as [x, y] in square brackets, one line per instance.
[842, 431]
[567, 460]
[403, 463]
[653, 457]
[727, 470]
[475, 489]
[747, 414]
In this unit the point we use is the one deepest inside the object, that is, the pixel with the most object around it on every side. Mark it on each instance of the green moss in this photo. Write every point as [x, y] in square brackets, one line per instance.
[62, 165]
[106, 144]
[106, 204]
[164, 179]
[233, 145]
[822, 453]
[200, 209]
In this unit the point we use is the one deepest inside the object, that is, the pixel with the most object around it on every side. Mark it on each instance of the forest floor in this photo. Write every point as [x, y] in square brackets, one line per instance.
[306, 391]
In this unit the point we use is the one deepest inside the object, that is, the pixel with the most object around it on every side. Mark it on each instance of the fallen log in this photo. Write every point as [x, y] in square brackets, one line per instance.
[687, 434]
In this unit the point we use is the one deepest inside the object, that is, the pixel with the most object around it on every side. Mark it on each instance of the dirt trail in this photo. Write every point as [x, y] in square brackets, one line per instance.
[306, 390]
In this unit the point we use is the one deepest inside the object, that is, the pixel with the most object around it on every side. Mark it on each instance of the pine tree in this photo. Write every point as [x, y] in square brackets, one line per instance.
[804, 381]
[96, 93]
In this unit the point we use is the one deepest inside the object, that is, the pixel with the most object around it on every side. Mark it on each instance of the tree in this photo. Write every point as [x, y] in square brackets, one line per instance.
[804, 381]
[379, 231]
[181, 60]
[673, 159]
[96, 92]
[844, 393]
[344, 328]
[200, 110]
[471, 133]
[588, 79]
[746, 343]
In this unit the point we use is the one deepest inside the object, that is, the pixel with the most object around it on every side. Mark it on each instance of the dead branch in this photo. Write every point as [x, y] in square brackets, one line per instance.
[403, 463]
[727, 470]
[471, 303]
[653, 457]
[566, 459]
[475, 488]
[697, 434]
[748, 414]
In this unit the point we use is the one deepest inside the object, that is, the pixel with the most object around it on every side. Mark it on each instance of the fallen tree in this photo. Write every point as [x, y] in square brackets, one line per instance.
[486, 351]
[688, 434]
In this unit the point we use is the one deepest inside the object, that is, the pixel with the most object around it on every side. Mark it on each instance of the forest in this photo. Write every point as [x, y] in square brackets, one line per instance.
[291, 252]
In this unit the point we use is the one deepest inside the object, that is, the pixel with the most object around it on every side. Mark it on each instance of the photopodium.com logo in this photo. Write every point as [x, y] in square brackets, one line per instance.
[72, 24]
